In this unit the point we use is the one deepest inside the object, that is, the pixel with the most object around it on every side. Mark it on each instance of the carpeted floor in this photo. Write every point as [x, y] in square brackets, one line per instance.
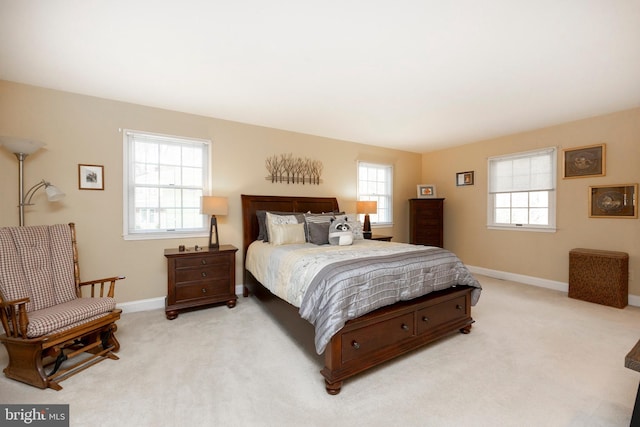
[533, 358]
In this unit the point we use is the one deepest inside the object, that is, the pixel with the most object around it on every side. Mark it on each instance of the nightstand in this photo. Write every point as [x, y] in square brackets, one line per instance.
[197, 278]
[381, 238]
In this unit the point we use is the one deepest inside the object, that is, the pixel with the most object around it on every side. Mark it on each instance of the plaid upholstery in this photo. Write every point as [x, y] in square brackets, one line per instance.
[68, 314]
[37, 262]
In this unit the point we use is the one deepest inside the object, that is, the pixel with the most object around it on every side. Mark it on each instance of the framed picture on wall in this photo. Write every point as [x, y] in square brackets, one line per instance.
[91, 177]
[426, 191]
[585, 161]
[464, 178]
[613, 201]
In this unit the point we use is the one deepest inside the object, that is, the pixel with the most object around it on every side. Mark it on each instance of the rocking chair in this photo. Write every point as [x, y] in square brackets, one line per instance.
[46, 320]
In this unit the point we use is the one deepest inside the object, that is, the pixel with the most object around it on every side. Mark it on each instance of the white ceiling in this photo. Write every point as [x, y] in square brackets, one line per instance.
[417, 75]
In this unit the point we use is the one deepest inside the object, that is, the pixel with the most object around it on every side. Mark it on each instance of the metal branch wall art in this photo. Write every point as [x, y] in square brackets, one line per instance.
[293, 170]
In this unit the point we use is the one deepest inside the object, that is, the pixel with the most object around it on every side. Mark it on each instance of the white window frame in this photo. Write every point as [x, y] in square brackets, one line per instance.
[526, 182]
[129, 232]
[383, 194]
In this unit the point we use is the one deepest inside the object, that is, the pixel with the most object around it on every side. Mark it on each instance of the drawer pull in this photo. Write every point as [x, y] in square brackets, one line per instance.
[355, 344]
[458, 307]
[203, 261]
[204, 274]
[204, 290]
[425, 319]
[405, 327]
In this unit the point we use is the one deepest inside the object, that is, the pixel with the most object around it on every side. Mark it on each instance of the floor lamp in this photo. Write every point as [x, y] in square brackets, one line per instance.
[366, 207]
[213, 206]
[22, 148]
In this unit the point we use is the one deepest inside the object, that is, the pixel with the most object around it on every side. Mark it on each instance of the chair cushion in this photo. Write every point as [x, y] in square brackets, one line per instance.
[68, 314]
[37, 262]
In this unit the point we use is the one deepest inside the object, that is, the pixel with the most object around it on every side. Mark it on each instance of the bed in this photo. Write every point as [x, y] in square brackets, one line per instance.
[364, 338]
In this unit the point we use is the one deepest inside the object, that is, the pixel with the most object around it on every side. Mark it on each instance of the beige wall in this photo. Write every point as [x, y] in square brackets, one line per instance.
[80, 129]
[541, 255]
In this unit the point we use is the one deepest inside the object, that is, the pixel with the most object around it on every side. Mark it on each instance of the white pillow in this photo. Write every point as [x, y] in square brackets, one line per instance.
[286, 234]
[273, 219]
[356, 226]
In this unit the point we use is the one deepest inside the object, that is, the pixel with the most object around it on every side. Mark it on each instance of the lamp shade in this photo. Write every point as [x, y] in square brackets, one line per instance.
[21, 145]
[366, 207]
[211, 205]
[54, 194]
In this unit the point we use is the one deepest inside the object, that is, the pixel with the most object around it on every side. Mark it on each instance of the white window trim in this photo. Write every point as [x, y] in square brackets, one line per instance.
[204, 232]
[552, 227]
[385, 165]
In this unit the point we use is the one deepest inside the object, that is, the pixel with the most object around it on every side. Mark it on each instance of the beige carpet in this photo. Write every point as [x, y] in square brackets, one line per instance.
[533, 358]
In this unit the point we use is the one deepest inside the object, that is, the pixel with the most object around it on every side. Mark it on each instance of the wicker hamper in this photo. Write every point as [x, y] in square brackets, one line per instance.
[599, 276]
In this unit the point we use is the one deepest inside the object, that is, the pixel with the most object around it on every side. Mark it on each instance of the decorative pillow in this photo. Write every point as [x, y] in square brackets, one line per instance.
[286, 234]
[318, 232]
[340, 232]
[325, 220]
[278, 219]
[263, 231]
[356, 226]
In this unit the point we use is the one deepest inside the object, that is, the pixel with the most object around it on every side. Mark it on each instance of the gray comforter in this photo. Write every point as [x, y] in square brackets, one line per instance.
[348, 289]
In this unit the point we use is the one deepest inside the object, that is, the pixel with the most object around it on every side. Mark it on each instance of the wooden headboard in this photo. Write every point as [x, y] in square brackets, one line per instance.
[251, 204]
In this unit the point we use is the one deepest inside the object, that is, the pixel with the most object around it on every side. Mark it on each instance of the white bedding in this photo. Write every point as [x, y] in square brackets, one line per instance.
[287, 270]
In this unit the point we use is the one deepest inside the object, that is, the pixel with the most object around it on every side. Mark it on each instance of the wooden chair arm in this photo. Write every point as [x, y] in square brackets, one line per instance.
[102, 282]
[14, 318]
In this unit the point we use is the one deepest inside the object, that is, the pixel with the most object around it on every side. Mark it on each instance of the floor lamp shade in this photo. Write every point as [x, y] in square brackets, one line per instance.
[213, 206]
[366, 207]
[22, 148]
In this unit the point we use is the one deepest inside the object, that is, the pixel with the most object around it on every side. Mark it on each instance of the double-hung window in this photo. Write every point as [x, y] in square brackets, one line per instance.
[522, 190]
[375, 183]
[164, 178]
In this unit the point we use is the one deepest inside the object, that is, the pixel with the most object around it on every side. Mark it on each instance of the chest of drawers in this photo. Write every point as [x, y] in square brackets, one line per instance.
[200, 278]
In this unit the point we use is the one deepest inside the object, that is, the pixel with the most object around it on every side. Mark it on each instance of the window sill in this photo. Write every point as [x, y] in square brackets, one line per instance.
[165, 235]
[522, 228]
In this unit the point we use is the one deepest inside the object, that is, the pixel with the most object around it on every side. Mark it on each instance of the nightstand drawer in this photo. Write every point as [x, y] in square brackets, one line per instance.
[201, 261]
[444, 312]
[202, 289]
[189, 275]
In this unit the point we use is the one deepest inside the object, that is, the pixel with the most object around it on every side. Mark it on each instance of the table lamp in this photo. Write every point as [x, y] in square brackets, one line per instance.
[366, 207]
[213, 206]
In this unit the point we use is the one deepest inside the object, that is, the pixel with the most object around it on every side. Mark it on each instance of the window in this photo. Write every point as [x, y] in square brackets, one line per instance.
[164, 177]
[522, 190]
[375, 183]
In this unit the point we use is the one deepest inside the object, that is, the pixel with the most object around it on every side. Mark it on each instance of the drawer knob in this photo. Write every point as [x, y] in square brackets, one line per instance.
[405, 327]
[203, 261]
[204, 290]
[425, 319]
[458, 307]
[355, 344]
[204, 274]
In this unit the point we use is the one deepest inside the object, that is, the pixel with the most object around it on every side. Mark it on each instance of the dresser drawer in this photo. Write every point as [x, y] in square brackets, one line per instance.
[201, 261]
[374, 337]
[433, 316]
[206, 273]
[202, 289]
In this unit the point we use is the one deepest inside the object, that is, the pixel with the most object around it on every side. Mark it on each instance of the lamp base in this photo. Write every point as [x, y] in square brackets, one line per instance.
[366, 228]
[214, 244]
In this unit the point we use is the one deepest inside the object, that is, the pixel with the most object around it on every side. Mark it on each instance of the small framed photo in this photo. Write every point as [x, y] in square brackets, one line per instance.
[426, 191]
[585, 161]
[613, 201]
[464, 178]
[91, 177]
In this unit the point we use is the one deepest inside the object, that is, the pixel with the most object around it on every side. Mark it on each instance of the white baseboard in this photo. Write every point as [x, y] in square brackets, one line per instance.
[634, 300]
[153, 303]
[157, 303]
